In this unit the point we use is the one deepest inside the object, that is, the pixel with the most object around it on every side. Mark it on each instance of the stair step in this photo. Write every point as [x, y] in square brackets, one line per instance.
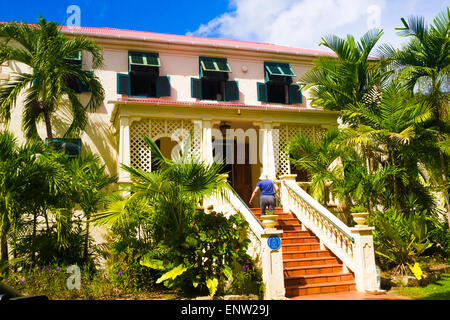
[318, 278]
[307, 239]
[320, 288]
[318, 261]
[289, 221]
[297, 233]
[259, 209]
[306, 254]
[300, 246]
[308, 270]
[286, 227]
[279, 216]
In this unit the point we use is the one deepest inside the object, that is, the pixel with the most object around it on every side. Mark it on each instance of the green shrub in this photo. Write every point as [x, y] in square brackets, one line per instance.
[207, 257]
[400, 240]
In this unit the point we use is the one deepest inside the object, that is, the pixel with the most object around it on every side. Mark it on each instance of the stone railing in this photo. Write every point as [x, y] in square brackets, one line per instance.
[353, 246]
[270, 261]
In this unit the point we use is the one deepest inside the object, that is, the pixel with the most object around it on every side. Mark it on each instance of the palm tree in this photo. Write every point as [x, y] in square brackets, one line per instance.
[320, 159]
[423, 65]
[172, 192]
[89, 183]
[46, 87]
[351, 77]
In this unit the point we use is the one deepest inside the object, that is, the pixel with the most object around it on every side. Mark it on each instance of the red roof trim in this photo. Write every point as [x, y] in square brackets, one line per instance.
[218, 105]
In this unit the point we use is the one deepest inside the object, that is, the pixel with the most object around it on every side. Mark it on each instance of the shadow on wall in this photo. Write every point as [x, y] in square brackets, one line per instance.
[99, 136]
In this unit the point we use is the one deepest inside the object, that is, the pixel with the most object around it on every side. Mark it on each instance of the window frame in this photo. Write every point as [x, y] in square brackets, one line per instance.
[160, 91]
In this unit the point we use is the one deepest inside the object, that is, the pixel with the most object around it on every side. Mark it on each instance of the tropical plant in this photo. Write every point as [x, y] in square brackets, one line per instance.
[399, 239]
[192, 248]
[319, 158]
[22, 172]
[423, 66]
[351, 77]
[90, 185]
[46, 86]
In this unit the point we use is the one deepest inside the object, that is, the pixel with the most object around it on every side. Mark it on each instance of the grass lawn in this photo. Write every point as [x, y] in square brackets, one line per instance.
[434, 291]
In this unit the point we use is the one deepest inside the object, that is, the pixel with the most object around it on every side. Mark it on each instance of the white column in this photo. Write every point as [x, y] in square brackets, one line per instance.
[284, 192]
[124, 149]
[272, 266]
[364, 258]
[207, 147]
[267, 155]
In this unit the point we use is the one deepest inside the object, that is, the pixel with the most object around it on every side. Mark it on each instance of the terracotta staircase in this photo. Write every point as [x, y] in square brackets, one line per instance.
[308, 269]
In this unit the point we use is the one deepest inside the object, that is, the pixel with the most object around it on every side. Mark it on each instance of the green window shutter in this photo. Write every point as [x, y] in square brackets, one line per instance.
[279, 69]
[75, 58]
[123, 83]
[231, 91]
[262, 91]
[196, 88]
[163, 86]
[84, 87]
[148, 59]
[295, 95]
[214, 65]
[74, 55]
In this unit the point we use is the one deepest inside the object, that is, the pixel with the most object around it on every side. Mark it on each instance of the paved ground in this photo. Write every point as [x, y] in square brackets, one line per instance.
[353, 295]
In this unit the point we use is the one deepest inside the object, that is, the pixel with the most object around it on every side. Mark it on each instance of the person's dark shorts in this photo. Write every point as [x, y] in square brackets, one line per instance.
[267, 201]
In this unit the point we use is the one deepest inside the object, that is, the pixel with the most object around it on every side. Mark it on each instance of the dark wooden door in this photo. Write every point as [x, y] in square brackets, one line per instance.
[242, 175]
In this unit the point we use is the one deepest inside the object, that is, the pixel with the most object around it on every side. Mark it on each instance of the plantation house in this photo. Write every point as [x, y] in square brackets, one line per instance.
[238, 99]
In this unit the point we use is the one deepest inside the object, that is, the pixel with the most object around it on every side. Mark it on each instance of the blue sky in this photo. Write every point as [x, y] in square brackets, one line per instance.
[299, 23]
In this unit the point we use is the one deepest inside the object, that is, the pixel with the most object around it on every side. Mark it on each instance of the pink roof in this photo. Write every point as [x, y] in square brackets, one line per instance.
[190, 40]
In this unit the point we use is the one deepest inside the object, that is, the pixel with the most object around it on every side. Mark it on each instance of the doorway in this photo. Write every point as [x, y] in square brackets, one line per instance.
[239, 172]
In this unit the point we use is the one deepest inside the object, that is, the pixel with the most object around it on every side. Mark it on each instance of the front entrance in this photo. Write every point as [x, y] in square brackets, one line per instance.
[239, 172]
[242, 175]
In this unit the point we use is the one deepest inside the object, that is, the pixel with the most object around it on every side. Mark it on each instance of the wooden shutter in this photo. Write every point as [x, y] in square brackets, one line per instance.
[84, 87]
[295, 95]
[163, 86]
[123, 83]
[231, 91]
[196, 88]
[262, 91]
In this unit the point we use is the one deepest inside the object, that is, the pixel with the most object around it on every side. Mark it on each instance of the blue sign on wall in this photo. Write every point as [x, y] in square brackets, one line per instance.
[274, 242]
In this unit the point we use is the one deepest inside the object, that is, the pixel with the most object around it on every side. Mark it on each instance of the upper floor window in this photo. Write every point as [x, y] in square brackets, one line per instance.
[213, 83]
[143, 77]
[73, 82]
[278, 87]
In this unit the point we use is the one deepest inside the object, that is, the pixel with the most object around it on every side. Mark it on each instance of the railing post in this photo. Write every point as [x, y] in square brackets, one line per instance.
[284, 192]
[364, 254]
[272, 264]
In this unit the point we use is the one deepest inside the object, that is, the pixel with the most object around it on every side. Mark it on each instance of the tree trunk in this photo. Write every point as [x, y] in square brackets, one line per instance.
[437, 104]
[4, 248]
[33, 240]
[444, 178]
[86, 238]
[48, 125]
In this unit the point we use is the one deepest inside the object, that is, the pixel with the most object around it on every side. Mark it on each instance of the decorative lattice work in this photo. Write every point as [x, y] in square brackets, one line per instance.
[178, 130]
[285, 133]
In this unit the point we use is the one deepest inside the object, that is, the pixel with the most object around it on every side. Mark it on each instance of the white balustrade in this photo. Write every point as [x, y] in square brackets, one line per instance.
[353, 246]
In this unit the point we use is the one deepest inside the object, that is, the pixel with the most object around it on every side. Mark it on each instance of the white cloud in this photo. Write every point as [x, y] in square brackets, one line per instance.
[292, 22]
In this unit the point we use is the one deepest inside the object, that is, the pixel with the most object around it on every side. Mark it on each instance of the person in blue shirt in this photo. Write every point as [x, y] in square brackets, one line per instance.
[268, 189]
